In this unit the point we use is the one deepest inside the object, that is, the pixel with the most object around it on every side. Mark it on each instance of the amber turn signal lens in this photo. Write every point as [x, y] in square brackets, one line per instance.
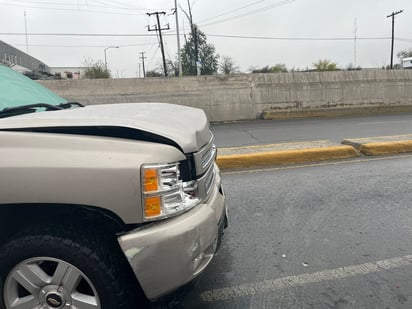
[151, 180]
[152, 207]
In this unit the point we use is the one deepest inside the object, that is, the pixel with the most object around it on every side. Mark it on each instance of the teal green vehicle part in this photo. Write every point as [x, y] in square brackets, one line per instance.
[17, 89]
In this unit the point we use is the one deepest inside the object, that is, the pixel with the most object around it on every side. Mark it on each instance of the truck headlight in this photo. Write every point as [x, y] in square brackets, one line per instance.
[164, 193]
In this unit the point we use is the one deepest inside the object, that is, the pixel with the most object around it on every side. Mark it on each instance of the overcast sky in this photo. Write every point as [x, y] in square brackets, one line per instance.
[287, 19]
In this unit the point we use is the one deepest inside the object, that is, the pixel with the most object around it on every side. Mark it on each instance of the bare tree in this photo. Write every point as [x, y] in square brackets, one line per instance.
[95, 69]
[325, 65]
[404, 54]
[278, 68]
[227, 66]
[188, 14]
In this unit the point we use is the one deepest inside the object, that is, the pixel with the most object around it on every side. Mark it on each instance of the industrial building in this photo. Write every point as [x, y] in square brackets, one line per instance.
[22, 62]
[34, 68]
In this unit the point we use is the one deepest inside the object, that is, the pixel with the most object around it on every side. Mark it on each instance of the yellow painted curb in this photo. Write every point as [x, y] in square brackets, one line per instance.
[286, 157]
[270, 114]
[376, 149]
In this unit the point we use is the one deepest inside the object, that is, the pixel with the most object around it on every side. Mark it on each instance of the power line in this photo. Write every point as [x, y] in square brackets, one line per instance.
[55, 3]
[82, 34]
[295, 38]
[403, 40]
[168, 53]
[105, 4]
[232, 11]
[83, 46]
[149, 42]
[124, 4]
[72, 4]
[69, 9]
[262, 9]
[154, 55]
[118, 5]
[207, 34]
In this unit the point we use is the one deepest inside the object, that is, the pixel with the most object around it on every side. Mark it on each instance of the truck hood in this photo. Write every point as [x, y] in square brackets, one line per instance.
[188, 127]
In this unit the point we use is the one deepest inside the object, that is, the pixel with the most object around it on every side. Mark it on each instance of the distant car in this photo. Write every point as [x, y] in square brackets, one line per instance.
[102, 206]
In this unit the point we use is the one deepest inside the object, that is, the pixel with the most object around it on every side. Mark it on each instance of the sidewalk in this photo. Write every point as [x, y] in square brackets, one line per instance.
[311, 151]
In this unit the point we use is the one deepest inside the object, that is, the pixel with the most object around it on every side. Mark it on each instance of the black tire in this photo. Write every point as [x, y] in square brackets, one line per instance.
[103, 271]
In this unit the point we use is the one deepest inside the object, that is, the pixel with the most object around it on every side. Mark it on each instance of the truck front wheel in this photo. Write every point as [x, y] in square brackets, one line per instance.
[49, 271]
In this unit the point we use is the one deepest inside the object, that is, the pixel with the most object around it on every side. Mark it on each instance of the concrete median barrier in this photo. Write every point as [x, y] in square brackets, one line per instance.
[382, 145]
[311, 151]
[259, 159]
[376, 149]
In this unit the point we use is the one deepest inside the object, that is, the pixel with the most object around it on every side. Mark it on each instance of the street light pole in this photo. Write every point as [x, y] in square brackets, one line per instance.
[105, 57]
[179, 53]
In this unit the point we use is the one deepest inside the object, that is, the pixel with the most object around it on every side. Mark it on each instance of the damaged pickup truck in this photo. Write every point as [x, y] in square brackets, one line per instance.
[102, 206]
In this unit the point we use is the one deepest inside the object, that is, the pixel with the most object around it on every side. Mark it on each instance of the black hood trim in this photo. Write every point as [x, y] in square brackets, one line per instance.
[106, 131]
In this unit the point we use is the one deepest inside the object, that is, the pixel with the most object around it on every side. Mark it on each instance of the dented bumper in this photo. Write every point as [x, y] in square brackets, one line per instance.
[168, 254]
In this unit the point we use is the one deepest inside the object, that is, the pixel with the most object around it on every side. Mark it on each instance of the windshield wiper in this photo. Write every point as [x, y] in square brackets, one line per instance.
[26, 109]
[69, 104]
[29, 107]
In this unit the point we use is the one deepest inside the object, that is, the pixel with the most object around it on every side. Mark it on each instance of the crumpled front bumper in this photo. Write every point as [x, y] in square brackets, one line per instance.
[168, 254]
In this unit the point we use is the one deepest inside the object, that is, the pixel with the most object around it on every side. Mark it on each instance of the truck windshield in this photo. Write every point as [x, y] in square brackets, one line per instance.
[18, 90]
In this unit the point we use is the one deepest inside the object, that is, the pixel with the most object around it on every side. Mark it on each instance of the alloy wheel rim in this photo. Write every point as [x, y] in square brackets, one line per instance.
[49, 283]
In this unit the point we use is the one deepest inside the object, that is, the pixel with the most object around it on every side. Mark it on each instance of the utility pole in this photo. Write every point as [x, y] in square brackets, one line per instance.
[157, 28]
[393, 32]
[25, 28]
[105, 56]
[355, 55]
[193, 28]
[142, 57]
[179, 53]
[197, 64]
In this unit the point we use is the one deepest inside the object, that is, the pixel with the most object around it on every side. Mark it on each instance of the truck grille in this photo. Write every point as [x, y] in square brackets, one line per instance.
[205, 171]
[205, 157]
[208, 156]
[205, 183]
[209, 181]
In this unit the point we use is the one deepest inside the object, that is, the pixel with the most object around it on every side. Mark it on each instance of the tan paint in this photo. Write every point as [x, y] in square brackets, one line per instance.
[78, 170]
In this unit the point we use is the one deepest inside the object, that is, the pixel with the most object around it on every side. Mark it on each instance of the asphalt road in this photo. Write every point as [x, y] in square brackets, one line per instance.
[330, 235]
[334, 129]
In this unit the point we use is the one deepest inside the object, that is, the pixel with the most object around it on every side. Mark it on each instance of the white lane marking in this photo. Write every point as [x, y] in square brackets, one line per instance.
[383, 122]
[297, 166]
[304, 279]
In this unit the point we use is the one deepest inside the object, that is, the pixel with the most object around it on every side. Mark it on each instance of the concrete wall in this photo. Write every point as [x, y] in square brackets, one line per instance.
[251, 96]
